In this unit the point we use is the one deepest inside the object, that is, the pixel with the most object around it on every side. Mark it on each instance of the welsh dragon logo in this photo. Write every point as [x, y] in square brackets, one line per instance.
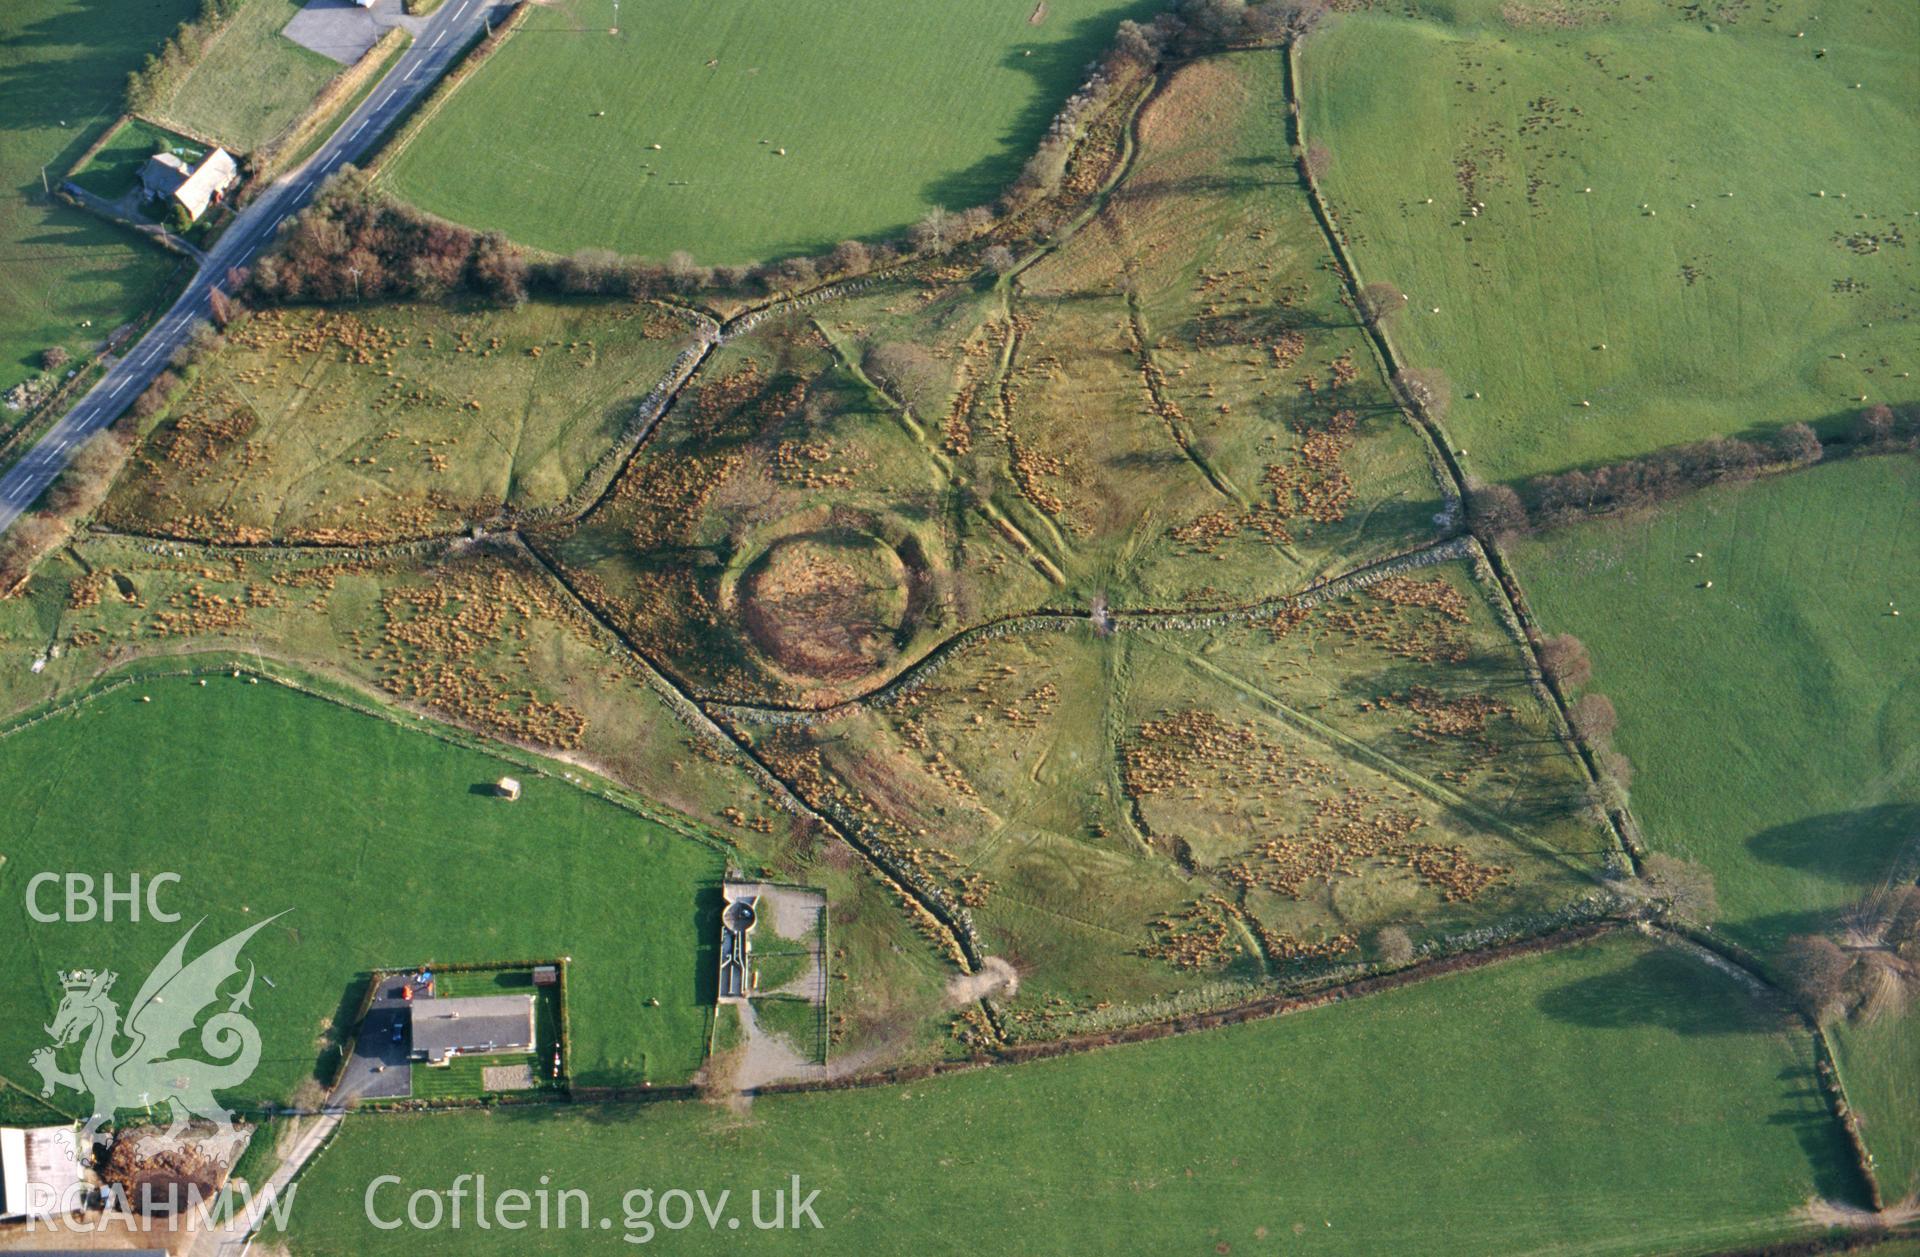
[144, 1072]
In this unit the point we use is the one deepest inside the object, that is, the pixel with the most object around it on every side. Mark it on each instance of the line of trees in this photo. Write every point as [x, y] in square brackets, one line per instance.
[1565, 660]
[74, 496]
[161, 72]
[353, 242]
[1583, 493]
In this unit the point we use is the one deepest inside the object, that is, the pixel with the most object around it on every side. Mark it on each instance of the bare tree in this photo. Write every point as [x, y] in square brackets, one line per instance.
[53, 358]
[1815, 970]
[1594, 718]
[1380, 301]
[999, 259]
[22, 545]
[934, 233]
[1687, 886]
[910, 372]
[1495, 510]
[850, 257]
[1565, 658]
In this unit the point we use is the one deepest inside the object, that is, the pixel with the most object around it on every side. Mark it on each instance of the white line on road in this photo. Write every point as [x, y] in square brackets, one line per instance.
[363, 126]
[120, 388]
[436, 40]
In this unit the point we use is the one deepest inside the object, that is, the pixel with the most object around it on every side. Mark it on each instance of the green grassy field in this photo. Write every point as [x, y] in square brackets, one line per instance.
[115, 169]
[1571, 1103]
[385, 846]
[884, 113]
[1718, 312]
[252, 82]
[1878, 1063]
[1772, 720]
[63, 64]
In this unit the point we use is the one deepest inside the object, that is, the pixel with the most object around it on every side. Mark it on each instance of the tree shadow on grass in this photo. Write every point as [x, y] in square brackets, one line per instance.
[1663, 989]
[1857, 848]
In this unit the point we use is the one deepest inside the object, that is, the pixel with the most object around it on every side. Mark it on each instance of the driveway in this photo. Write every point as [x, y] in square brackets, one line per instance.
[379, 1068]
[343, 30]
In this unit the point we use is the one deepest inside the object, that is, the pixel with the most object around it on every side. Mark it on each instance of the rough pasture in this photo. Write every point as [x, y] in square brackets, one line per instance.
[365, 424]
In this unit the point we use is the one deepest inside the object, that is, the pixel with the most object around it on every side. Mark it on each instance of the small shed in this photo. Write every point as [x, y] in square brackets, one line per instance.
[507, 788]
[546, 975]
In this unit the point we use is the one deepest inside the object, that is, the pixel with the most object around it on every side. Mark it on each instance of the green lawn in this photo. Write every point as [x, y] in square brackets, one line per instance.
[252, 81]
[63, 64]
[382, 842]
[1718, 313]
[115, 169]
[1579, 1102]
[884, 111]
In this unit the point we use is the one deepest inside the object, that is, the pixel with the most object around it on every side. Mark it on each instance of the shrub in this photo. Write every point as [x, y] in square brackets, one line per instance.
[1565, 659]
[1428, 389]
[53, 358]
[1594, 718]
[1495, 510]
[1689, 887]
[1393, 946]
[1815, 970]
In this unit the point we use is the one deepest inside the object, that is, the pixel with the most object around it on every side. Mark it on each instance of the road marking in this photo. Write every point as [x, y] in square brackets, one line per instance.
[279, 220]
[436, 39]
[363, 126]
[120, 389]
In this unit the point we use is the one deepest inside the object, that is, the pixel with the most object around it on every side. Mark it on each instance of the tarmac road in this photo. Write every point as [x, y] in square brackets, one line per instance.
[433, 50]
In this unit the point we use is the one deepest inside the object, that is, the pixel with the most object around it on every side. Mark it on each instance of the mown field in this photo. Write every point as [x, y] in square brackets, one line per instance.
[386, 846]
[1703, 285]
[63, 64]
[252, 81]
[883, 114]
[383, 421]
[1772, 720]
[1574, 1102]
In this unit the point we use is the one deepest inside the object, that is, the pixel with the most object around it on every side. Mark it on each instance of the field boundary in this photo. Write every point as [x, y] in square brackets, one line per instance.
[1619, 818]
